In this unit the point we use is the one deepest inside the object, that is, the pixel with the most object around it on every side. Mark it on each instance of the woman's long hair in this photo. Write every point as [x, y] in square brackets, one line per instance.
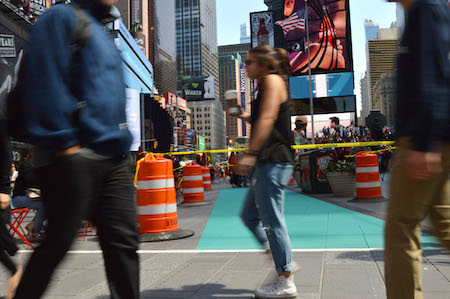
[276, 60]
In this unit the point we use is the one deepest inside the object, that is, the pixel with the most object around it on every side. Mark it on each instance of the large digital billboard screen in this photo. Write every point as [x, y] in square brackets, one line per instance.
[328, 30]
[261, 25]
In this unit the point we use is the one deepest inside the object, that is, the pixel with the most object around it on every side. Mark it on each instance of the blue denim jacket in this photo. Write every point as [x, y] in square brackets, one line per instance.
[53, 94]
[423, 100]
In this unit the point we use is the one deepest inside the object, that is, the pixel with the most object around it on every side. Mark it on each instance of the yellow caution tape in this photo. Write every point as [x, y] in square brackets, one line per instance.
[350, 144]
[178, 168]
[138, 165]
[306, 146]
[373, 152]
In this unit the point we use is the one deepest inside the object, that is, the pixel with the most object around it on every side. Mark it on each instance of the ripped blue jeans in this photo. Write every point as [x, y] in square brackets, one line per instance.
[263, 211]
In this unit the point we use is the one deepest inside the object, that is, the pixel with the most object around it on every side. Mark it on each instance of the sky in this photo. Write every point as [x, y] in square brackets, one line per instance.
[232, 13]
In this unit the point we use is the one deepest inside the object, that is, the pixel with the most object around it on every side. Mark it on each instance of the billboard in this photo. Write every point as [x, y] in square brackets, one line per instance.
[261, 24]
[242, 85]
[12, 49]
[323, 85]
[201, 143]
[198, 88]
[133, 113]
[329, 35]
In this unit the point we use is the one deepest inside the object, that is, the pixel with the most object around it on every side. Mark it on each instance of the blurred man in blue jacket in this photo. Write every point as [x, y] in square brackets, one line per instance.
[420, 184]
[75, 116]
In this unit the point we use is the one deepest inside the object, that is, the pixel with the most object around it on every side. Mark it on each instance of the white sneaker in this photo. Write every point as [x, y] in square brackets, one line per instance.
[282, 288]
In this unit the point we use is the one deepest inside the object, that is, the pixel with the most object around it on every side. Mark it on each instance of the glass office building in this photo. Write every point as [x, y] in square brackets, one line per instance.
[162, 44]
[196, 39]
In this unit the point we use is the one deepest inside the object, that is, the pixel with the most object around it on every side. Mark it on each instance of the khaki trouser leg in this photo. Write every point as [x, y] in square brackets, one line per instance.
[410, 202]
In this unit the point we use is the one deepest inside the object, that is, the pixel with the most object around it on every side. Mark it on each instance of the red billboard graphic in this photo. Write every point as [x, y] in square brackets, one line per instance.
[327, 24]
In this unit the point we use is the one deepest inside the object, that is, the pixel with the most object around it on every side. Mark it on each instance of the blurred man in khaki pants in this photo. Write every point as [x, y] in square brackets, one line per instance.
[420, 185]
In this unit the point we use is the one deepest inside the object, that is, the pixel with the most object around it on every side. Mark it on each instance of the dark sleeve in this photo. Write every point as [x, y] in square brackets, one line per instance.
[51, 106]
[5, 159]
[429, 42]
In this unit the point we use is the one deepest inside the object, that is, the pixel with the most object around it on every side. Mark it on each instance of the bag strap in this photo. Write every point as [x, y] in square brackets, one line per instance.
[83, 30]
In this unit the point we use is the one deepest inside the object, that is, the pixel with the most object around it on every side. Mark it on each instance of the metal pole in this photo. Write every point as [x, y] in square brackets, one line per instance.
[311, 102]
[176, 102]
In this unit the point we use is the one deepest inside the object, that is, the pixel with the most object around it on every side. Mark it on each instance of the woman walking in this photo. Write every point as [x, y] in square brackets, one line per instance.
[269, 162]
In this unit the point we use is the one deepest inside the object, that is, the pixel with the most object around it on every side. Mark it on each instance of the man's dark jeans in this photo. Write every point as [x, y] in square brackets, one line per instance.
[73, 188]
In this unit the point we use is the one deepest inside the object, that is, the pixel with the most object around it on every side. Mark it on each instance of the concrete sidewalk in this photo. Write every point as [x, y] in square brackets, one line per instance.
[175, 269]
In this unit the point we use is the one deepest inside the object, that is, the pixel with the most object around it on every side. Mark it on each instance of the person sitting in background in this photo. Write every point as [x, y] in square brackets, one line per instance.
[14, 175]
[26, 194]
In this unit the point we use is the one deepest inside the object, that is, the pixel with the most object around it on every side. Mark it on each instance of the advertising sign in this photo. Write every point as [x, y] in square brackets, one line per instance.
[133, 113]
[7, 46]
[37, 7]
[323, 85]
[198, 88]
[201, 143]
[321, 165]
[305, 170]
[242, 85]
[329, 35]
[189, 136]
[262, 28]
[11, 55]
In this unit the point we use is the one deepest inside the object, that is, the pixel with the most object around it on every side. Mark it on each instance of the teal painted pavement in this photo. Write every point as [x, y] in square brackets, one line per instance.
[312, 224]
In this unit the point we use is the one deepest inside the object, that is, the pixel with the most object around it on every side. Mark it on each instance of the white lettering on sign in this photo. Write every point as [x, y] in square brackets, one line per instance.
[7, 46]
[7, 41]
[242, 80]
[193, 92]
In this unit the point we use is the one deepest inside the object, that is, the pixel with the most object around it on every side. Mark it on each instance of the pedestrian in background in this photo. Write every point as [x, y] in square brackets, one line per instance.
[420, 184]
[232, 162]
[75, 117]
[269, 162]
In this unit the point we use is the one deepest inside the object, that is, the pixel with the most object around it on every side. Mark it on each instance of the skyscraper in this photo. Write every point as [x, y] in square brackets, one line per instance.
[229, 65]
[242, 49]
[197, 56]
[233, 77]
[245, 34]
[400, 12]
[365, 97]
[161, 44]
[196, 38]
[382, 59]
[371, 30]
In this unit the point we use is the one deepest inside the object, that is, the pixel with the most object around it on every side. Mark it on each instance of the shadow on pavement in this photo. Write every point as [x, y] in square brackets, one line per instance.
[200, 291]
[374, 255]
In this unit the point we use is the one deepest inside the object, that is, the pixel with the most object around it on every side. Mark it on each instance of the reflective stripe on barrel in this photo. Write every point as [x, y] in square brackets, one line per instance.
[368, 183]
[193, 190]
[156, 198]
[206, 178]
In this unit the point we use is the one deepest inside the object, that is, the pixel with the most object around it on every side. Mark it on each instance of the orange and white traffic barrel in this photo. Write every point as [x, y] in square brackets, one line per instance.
[193, 190]
[156, 200]
[368, 184]
[206, 174]
[291, 179]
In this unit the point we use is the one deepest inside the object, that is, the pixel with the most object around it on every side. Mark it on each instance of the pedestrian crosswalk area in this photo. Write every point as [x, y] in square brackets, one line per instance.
[312, 224]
